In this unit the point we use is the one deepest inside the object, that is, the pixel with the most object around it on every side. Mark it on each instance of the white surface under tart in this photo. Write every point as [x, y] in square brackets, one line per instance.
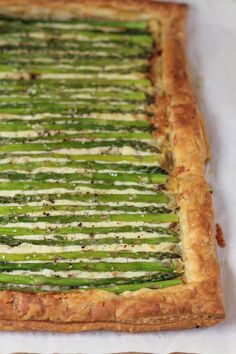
[212, 54]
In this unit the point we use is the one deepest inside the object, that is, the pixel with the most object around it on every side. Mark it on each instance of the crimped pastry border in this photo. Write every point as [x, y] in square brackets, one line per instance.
[199, 301]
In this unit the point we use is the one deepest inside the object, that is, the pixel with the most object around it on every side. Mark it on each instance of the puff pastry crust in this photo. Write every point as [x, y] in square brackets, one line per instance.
[199, 301]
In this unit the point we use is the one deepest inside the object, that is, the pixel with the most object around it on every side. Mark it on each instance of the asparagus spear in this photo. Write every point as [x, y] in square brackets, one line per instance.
[88, 282]
[90, 61]
[73, 282]
[95, 61]
[28, 96]
[13, 210]
[63, 136]
[145, 218]
[87, 242]
[90, 267]
[92, 231]
[159, 198]
[78, 124]
[138, 97]
[119, 143]
[131, 47]
[117, 289]
[142, 170]
[94, 255]
[67, 69]
[152, 285]
[104, 91]
[80, 49]
[93, 188]
[109, 177]
[70, 83]
[82, 119]
[106, 25]
[143, 40]
[113, 93]
[47, 65]
[69, 108]
[149, 160]
[67, 99]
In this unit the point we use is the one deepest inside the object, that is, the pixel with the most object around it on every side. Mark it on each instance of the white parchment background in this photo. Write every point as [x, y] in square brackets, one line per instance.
[212, 57]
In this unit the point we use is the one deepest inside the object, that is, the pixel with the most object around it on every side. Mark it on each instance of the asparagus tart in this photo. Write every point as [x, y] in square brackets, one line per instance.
[105, 217]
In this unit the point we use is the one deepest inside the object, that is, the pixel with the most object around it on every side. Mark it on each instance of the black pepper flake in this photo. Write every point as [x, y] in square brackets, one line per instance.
[173, 225]
[160, 187]
[34, 75]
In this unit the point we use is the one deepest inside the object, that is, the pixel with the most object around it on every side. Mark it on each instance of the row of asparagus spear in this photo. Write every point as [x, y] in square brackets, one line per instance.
[111, 61]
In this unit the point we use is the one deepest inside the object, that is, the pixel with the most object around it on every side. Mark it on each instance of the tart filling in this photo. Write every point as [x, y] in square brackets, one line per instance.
[85, 200]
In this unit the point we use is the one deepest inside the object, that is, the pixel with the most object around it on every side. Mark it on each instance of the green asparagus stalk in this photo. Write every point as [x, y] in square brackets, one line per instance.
[135, 26]
[63, 136]
[8, 26]
[125, 98]
[132, 286]
[43, 69]
[90, 267]
[92, 231]
[79, 49]
[69, 108]
[158, 198]
[152, 285]
[109, 177]
[116, 289]
[95, 188]
[13, 210]
[85, 282]
[142, 170]
[146, 218]
[78, 36]
[7, 58]
[119, 143]
[118, 94]
[10, 241]
[71, 65]
[94, 255]
[103, 89]
[82, 119]
[78, 124]
[67, 99]
[88, 96]
[149, 160]
[15, 85]
[51, 84]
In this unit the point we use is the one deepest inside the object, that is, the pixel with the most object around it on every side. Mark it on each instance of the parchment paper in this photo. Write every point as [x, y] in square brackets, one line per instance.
[212, 57]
